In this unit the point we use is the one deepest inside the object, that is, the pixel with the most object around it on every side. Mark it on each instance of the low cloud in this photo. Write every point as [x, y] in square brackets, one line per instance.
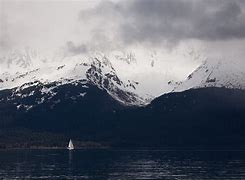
[74, 49]
[162, 22]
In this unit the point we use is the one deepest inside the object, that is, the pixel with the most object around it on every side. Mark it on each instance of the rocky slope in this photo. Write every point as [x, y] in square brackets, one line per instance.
[215, 73]
[22, 70]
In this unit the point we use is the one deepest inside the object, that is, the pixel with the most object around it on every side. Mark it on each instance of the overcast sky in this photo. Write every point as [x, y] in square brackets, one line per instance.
[97, 25]
[164, 30]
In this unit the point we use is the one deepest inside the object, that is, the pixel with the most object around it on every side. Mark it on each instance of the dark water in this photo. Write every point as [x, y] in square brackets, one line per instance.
[122, 164]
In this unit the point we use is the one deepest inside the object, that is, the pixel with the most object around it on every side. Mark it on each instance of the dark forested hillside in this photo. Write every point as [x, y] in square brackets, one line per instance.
[208, 117]
[201, 117]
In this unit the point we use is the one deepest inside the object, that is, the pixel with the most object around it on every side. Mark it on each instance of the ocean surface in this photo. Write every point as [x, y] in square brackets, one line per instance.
[122, 164]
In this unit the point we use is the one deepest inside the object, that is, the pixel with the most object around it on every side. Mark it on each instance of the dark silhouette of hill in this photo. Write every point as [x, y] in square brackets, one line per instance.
[205, 118]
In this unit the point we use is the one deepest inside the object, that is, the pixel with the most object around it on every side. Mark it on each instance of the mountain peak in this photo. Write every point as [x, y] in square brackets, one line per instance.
[27, 67]
[215, 73]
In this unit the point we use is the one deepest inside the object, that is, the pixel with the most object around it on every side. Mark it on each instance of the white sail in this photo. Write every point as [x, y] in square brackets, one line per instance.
[70, 145]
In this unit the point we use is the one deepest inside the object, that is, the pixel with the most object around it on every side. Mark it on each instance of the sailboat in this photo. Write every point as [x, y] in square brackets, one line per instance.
[70, 145]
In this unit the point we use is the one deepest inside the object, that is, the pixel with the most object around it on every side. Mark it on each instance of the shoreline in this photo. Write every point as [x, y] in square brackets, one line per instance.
[129, 148]
[50, 148]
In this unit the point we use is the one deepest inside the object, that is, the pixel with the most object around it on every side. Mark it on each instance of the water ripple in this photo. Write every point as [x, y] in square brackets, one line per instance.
[122, 165]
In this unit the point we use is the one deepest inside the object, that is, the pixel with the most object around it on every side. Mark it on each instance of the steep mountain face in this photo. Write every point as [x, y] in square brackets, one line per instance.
[145, 74]
[215, 73]
[21, 72]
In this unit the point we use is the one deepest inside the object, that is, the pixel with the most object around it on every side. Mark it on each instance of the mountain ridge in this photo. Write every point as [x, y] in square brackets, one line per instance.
[218, 73]
[99, 70]
[96, 70]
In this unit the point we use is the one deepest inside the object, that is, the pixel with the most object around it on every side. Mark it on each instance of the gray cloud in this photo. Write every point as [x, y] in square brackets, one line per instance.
[5, 42]
[72, 48]
[157, 22]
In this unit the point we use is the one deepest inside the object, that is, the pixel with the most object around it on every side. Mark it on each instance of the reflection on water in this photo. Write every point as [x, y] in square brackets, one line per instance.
[124, 164]
[70, 157]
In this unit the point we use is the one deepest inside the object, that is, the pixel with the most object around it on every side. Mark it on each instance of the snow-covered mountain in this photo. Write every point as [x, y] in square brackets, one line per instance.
[126, 77]
[139, 74]
[21, 70]
[215, 73]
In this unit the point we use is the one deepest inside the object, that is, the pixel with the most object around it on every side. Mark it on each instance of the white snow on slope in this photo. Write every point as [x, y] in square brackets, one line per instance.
[149, 71]
[23, 68]
[148, 74]
[215, 73]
